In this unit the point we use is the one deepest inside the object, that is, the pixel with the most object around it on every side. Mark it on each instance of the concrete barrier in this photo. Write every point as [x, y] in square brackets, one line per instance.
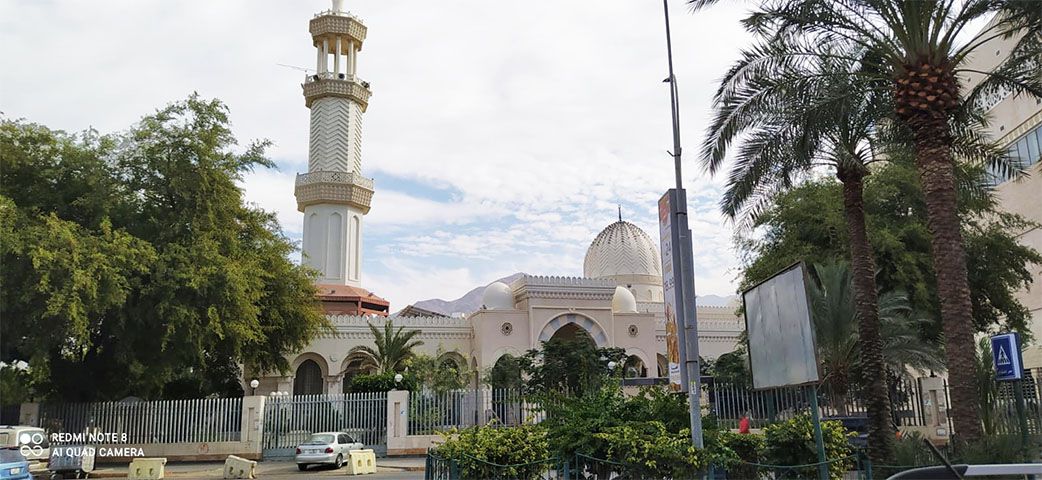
[238, 467]
[361, 462]
[147, 469]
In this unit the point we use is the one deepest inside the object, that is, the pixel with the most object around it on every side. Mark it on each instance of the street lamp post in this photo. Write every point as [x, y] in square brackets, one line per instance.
[253, 386]
[682, 264]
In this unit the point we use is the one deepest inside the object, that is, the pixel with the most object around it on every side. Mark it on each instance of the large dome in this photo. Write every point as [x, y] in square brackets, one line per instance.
[622, 249]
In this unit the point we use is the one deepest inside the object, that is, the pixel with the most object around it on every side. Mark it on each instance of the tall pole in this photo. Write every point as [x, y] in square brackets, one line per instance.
[685, 281]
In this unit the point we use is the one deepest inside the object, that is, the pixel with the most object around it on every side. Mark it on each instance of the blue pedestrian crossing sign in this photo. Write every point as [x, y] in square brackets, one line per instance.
[1005, 353]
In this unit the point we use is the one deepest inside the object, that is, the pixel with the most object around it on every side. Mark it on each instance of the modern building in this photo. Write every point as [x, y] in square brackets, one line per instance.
[618, 301]
[1016, 124]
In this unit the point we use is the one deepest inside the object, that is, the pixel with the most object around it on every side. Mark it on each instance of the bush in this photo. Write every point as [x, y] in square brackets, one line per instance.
[648, 450]
[792, 443]
[736, 451]
[497, 452]
[991, 449]
[380, 382]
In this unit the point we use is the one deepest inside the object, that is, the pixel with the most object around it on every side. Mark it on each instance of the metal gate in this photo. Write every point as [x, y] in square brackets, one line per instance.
[290, 420]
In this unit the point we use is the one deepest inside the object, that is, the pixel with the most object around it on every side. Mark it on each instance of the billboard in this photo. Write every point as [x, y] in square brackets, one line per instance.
[781, 332]
[668, 241]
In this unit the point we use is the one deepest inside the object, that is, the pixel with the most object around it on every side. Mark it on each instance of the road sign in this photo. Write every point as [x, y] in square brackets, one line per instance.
[1005, 354]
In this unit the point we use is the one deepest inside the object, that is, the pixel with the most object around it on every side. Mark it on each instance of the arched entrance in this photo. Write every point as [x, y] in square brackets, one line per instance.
[634, 368]
[308, 379]
[663, 366]
[572, 320]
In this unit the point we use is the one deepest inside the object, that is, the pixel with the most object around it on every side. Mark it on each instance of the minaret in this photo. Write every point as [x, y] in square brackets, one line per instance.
[334, 195]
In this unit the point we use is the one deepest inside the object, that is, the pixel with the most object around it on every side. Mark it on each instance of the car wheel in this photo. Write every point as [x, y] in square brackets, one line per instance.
[302, 466]
[339, 461]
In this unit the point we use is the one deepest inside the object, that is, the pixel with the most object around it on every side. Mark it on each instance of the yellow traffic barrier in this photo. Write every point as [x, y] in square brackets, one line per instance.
[362, 462]
[147, 469]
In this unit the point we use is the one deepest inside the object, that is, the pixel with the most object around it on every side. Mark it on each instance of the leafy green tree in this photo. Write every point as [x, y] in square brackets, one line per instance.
[806, 224]
[394, 349]
[733, 367]
[574, 366]
[132, 260]
[917, 50]
[438, 373]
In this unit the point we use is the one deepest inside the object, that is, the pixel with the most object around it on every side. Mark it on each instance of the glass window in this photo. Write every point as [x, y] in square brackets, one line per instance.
[342, 439]
[9, 455]
[321, 440]
[1032, 143]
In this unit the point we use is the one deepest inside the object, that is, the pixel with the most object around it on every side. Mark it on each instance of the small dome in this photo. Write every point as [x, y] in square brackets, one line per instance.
[498, 296]
[622, 249]
[623, 301]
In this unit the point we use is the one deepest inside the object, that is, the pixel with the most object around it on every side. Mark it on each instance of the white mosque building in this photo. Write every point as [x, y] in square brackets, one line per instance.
[618, 301]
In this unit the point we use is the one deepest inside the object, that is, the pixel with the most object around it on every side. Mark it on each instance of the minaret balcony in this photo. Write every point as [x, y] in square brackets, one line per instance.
[342, 85]
[340, 188]
[330, 24]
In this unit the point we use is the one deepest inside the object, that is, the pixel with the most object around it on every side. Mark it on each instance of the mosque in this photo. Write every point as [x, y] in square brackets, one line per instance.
[618, 301]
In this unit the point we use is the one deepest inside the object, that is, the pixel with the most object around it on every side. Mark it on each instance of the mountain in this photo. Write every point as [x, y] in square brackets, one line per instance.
[471, 302]
[715, 300]
[468, 303]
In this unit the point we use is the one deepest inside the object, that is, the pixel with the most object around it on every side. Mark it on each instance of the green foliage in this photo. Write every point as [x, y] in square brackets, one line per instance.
[15, 385]
[806, 223]
[492, 451]
[649, 450]
[746, 448]
[652, 403]
[437, 373]
[572, 421]
[382, 382]
[990, 449]
[133, 260]
[792, 443]
[733, 367]
[394, 349]
[568, 365]
[506, 373]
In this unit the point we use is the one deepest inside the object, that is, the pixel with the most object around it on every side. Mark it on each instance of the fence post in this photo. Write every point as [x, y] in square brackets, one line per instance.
[251, 426]
[397, 420]
[29, 414]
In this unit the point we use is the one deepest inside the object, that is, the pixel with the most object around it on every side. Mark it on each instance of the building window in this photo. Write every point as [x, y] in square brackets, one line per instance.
[1023, 153]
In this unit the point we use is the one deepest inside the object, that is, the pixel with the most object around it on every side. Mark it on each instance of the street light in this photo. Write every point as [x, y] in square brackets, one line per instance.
[611, 365]
[397, 379]
[253, 385]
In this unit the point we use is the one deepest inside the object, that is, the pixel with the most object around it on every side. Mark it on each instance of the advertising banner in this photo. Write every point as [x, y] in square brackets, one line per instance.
[674, 318]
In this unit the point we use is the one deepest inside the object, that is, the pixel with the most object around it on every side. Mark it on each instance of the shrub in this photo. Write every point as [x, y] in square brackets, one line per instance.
[792, 443]
[497, 452]
[380, 382]
[991, 449]
[736, 451]
[648, 450]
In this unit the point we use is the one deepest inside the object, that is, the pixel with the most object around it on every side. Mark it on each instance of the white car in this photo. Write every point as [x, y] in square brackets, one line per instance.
[326, 448]
[31, 442]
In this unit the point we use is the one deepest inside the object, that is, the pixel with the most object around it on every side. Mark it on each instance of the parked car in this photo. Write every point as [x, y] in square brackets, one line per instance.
[13, 465]
[31, 442]
[325, 448]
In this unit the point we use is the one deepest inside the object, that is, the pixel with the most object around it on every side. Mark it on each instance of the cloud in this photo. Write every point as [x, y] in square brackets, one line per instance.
[503, 135]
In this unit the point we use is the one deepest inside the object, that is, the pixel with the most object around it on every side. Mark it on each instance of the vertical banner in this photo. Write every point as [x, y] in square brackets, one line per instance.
[669, 246]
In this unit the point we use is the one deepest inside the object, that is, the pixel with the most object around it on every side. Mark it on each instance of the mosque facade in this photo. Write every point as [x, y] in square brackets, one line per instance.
[618, 301]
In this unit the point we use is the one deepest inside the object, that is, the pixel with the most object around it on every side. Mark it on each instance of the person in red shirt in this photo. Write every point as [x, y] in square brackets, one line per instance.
[743, 424]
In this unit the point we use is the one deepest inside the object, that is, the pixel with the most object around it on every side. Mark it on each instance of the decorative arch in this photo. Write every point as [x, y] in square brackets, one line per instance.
[600, 337]
[308, 378]
[663, 365]
[455, 358]
[634, 367]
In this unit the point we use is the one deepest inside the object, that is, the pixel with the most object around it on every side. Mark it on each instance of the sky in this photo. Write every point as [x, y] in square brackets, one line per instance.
[501, 136]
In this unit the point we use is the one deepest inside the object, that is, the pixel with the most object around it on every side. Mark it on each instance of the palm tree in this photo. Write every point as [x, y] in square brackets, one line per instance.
[792, 120]
[393, 349]
[836, 331]
[916, 52]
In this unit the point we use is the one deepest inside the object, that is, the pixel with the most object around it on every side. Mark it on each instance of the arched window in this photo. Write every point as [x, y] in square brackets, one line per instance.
[308, 380]
[634, 367]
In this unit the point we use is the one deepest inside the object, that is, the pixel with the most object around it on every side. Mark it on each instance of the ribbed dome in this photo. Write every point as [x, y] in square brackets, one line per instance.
[622, 249]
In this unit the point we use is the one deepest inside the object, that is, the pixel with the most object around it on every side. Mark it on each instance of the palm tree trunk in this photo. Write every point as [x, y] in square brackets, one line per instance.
[866, 302]
[937, 180]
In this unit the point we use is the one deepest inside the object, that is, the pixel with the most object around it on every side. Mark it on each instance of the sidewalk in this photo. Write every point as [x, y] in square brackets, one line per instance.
[264, 469]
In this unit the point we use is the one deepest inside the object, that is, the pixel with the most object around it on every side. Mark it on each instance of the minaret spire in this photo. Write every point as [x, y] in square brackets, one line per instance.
[620, 211]
[333, 194]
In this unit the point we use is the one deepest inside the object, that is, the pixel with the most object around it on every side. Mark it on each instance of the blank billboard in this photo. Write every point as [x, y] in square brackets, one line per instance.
[781, 335]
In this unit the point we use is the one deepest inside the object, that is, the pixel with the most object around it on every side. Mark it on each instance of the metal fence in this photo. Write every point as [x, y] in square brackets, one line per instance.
[730, 402]
[290, 420]
[431, 412]
[165, 421]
